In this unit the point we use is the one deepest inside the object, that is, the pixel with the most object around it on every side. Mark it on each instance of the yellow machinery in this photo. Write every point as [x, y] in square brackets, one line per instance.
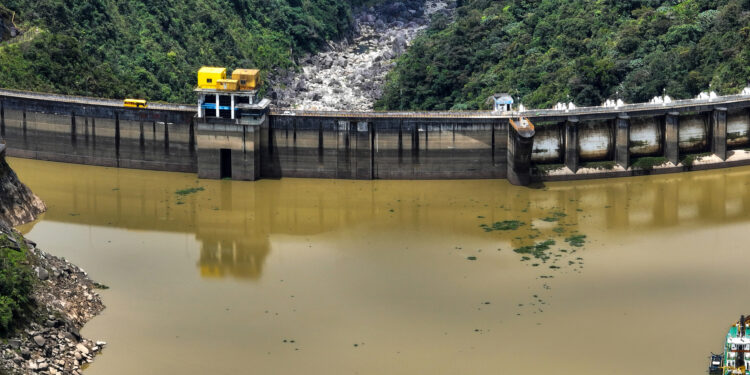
[214, 78]
[249, 79]
[228, 84]
[209, 77]
[135, 103]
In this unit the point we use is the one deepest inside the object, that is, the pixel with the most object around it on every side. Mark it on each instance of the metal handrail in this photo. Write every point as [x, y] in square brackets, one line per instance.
[73, 99]
[676, 104]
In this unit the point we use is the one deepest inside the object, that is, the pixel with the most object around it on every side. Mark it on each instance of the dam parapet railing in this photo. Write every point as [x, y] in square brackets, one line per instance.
[579, 143]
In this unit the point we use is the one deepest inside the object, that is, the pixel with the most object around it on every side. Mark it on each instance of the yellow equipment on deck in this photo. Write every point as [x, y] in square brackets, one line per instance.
[228, 84]
[249, 79]
[209, 77]
[214, 78]
[135, 103]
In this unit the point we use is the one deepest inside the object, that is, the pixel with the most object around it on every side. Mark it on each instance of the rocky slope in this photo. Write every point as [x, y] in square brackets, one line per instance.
[63, 297]
[18, 204]
[350, 75]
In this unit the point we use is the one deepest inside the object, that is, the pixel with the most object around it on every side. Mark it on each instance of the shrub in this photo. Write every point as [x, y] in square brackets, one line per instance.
[16, 284]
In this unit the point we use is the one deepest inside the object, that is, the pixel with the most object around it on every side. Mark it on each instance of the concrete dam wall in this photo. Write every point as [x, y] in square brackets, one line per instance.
[559, 144]
[172, 139]
[98, 135]
[384, 148]
[698, 138]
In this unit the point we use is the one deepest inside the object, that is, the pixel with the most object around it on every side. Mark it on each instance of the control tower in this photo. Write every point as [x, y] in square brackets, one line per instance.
[230, 116]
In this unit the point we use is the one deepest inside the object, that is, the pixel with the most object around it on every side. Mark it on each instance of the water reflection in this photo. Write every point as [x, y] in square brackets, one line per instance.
[242, 260]
[235, 222]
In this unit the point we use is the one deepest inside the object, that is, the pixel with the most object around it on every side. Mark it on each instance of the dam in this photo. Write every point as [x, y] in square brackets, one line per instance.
[582, 143]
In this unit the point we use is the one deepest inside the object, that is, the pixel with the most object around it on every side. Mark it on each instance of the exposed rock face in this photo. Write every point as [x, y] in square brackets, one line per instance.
[51, 343]
[18, 204]
[64, 297]
[350, 76]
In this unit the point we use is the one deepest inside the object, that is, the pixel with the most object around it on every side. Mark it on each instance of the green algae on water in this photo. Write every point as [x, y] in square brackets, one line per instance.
[538, 250]
[577, 240]
[189, 191]
[503, 225]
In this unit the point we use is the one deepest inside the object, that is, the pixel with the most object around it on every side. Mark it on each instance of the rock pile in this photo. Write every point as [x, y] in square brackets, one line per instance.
[51, 344]
[18, 204]
[350, 75]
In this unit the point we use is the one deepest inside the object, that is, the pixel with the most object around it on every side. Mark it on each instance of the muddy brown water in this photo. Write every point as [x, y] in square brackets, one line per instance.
[376, 277]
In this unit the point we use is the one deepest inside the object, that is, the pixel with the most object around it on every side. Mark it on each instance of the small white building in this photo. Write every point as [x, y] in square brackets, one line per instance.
[501, 102]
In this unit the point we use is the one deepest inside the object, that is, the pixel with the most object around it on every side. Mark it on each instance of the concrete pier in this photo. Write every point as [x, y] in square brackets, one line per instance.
[228, 151]
[571, 144]
[622, 141]
[719, 132]
[520, 143]
[672, 137]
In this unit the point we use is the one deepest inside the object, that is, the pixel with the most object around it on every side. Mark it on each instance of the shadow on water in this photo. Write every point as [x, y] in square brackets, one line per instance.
[235, 222]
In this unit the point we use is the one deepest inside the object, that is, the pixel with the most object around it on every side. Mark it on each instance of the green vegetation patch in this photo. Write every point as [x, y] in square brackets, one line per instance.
[16, 283]
[545, 169]
[538, 251]
[736, 135]
[189, 191]
[689, 159]
[648, 163]
[503, 225]
[577, 240]
[556, 216]
[544, 52]
[638, 143]
[606, 165]
[152, 49]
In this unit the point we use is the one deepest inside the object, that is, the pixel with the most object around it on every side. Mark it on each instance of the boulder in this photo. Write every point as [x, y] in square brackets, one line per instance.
[327, 62]
[399, 45]
[83, 349]
[39, 340]
[14, 343]
[69, 336]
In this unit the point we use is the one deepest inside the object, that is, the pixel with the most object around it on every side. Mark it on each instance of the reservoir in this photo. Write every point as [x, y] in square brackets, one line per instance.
[401, 277]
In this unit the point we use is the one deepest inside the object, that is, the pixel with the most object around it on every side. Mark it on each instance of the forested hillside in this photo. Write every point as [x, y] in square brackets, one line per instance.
[151, 49]
[583, 51]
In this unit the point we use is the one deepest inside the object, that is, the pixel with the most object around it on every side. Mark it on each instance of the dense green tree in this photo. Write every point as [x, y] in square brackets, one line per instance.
[16, 284]
[547, 51]
[152, 49]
